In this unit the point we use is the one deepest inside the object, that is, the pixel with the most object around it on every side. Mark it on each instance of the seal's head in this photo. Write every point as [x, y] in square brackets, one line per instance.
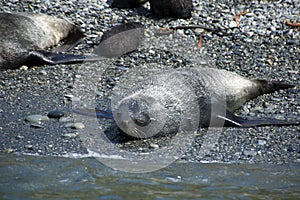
[161, 104]
[147, 113]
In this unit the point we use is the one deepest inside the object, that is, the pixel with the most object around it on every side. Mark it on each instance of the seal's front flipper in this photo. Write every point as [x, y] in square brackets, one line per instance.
[231, 120]
[107, 114]
[44, 57]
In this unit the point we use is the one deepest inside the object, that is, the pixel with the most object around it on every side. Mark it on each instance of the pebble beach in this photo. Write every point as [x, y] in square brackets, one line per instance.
[262, 46]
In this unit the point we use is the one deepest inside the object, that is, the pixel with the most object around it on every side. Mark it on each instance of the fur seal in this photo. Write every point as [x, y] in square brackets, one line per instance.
[25, 37]
[166, 99]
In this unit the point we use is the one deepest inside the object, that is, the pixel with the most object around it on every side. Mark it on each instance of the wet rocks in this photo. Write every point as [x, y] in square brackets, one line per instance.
[36, 121]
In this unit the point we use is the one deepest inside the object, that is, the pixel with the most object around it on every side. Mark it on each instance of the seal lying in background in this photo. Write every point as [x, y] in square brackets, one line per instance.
[185, 99]
[161, 8]
[172, 8]
[25, 37]
[127, 3]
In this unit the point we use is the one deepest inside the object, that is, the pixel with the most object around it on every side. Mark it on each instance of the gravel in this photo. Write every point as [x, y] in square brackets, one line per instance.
[262, 47]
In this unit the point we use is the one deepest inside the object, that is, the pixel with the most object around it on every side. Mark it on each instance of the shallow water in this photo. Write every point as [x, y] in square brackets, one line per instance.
[31, 177]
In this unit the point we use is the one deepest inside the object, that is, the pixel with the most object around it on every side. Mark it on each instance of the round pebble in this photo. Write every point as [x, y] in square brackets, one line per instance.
[29, 146]
[78, 125]
[36, 118]
[35, 125]
[154, 146]
[65, 119]
[69, 135]
[56, 114]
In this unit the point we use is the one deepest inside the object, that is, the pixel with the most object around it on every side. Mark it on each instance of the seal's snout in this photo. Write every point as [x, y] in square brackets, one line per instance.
[139, 112]
[142, 119]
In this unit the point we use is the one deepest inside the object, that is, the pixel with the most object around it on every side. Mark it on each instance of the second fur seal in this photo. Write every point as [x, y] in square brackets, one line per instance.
[26, 37]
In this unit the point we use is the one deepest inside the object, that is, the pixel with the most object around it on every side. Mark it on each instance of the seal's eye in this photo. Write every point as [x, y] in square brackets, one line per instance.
[139, 112]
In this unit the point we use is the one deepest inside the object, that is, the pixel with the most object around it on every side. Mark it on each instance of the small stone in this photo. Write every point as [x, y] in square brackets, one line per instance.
[198, 31]
[273, 28]
[262, 142]
[29, 146]
[249, 14]
[36, 118]
[249, 153]
[43, 72]
[68, 125]
[65, 119]
[154, 146]
[291, 42]
[232, 24]
[151, 51]
[9, 150]
[78, 125]
[56, 114]
[18, 137]
[70, 135]
[24, 67]
[69, 96]
[35, 125]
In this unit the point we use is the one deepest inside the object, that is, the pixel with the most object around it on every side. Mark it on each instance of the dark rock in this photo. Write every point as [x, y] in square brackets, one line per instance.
[56, 114]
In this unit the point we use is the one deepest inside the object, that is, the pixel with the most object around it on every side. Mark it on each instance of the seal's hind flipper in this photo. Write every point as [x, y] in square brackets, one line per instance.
[52, 58]
[271, 86]
[121, 39]
[231, 120]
